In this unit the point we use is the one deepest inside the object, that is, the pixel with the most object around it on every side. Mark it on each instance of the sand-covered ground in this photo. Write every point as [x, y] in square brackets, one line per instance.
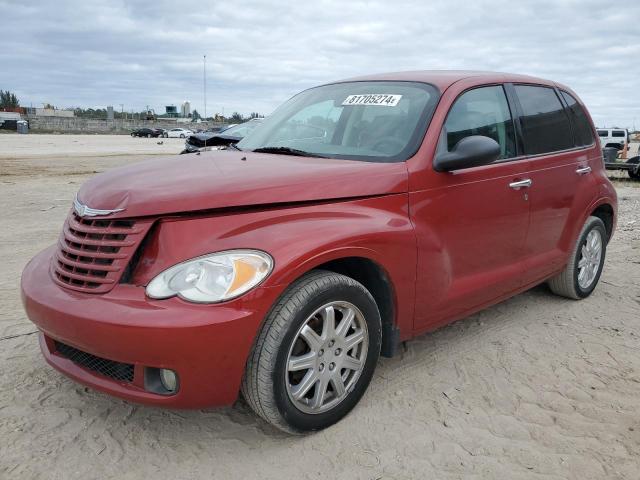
[537, 387]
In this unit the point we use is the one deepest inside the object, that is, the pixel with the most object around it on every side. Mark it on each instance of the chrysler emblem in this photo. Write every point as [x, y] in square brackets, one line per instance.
[85, 211]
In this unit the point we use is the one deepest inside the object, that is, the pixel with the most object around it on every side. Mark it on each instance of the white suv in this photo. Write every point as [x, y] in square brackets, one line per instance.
[613, 137]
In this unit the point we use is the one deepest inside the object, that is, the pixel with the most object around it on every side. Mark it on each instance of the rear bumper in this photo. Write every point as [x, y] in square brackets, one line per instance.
[207, 345]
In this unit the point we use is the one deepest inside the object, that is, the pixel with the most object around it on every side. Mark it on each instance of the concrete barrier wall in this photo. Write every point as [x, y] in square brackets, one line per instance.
[117, 126]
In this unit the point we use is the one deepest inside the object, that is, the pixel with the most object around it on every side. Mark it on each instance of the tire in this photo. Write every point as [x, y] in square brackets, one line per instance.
[568, 283]
[268, 385]
[182, 135]
[634, 174]
[133, 135]
[166, 135]
[148, 135]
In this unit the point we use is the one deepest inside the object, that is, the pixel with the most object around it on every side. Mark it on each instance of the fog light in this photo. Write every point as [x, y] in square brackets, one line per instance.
[169, 379]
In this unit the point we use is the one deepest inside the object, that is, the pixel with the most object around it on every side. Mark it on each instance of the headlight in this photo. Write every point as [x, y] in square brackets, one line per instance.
[213, 278]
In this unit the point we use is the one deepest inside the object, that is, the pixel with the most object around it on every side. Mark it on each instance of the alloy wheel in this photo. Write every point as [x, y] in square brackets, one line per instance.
[589, 263]
[326, 357]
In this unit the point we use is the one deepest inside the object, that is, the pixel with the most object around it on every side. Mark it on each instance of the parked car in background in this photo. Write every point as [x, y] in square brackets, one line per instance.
[223, 138]
[161, 132]
[358, 215]
[145, 132]
[179, 133]
[614, 137]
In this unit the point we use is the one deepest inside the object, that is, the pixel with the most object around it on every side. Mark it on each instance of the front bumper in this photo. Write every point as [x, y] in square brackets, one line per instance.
[207, 345]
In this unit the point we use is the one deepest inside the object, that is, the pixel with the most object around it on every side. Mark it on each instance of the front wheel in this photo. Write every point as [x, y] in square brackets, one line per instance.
[182, 135]
[581, 275]
[315, 355]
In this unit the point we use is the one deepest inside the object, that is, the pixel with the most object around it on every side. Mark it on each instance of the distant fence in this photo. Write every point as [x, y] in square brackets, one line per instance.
[117, 126]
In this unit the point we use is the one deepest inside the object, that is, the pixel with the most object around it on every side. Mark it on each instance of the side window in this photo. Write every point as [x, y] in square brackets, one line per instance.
[481, 111]
[545, 125]
[603, 133]
[581, 125]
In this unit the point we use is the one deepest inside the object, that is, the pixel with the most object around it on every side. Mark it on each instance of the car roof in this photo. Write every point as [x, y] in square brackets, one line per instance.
[443, 79]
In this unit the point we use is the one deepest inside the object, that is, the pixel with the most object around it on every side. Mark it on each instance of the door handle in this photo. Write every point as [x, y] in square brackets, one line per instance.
[583, 170]
[521, 184]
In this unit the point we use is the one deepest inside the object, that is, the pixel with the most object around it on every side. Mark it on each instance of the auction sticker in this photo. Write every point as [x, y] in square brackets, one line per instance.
[385, 100]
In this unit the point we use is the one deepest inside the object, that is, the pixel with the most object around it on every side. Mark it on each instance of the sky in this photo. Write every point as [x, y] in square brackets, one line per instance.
[259, 53]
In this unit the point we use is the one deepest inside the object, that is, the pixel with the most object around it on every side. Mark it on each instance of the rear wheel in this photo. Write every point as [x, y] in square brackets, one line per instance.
[148, 135]
[315, 354]
[581, 275]
[635, 174]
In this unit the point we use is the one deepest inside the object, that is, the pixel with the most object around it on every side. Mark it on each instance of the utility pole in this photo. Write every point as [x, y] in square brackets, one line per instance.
[204, 84]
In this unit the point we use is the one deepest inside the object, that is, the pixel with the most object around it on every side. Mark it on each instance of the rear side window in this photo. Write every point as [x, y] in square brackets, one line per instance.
[603, 133]
[481, 111]
[583, 135]
[545, 124]
[617, 133]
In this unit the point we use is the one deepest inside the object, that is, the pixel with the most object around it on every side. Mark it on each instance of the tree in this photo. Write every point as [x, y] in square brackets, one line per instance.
[236, 118]
[195, 115]
[8, 100]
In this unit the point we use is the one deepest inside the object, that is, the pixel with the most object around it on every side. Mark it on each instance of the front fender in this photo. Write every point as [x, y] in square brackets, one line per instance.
[299, 238]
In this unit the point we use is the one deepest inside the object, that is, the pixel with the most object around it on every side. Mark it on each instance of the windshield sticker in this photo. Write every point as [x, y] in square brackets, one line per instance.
[387, 100]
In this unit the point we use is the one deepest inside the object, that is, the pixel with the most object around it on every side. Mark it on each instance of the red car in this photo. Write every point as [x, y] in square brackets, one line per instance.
[358, 215]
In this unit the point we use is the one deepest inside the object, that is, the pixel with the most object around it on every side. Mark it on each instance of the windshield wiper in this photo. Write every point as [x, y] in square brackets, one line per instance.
[287, 151]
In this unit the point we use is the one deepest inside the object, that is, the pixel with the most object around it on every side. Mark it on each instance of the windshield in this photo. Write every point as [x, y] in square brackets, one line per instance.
[241, 130]
[374, 121]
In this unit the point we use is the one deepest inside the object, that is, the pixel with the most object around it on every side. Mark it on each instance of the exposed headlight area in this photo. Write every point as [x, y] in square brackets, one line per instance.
[213, 278]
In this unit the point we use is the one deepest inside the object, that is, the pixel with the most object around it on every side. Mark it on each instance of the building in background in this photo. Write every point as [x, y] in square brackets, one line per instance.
[185, 109]
[171, 111]
[49, 112]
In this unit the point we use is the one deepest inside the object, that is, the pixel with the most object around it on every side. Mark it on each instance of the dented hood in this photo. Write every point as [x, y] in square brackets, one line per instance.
[223, 179]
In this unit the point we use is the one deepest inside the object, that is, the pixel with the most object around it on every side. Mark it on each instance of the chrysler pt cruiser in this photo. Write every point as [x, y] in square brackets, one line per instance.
[358, 215]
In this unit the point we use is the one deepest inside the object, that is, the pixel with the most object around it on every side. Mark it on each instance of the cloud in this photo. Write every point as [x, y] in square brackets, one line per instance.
[98, 53]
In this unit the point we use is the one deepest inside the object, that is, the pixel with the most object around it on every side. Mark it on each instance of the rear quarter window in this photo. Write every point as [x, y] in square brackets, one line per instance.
[545, 124]
[582, 132]
[618, 133]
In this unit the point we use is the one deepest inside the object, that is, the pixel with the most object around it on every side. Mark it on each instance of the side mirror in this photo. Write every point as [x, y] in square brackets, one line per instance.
[469, 152]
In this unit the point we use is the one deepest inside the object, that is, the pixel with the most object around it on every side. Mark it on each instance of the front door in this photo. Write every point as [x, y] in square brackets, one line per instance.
[471, 224]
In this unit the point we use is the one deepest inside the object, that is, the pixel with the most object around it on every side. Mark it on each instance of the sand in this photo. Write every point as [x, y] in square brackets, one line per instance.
[537, 387]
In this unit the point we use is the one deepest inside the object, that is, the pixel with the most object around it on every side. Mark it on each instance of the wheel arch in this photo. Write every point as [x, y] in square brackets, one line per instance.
[361, 265]
[376, 280]
[606, 213]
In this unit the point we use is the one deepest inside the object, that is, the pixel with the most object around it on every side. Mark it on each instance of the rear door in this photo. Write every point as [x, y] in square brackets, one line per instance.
[472, 223]
[556, 140]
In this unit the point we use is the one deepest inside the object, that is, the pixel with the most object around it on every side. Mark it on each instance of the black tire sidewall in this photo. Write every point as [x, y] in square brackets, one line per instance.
[297, 419]
[594, 223]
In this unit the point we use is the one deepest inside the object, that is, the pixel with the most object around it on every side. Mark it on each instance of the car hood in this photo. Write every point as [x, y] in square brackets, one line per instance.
[224, 179]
